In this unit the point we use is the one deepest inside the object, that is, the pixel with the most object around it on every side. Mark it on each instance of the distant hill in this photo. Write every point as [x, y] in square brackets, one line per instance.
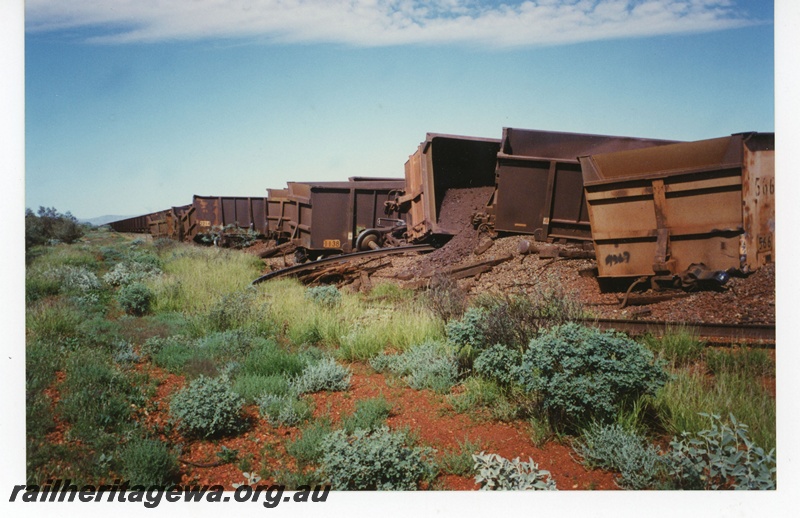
[102, 220]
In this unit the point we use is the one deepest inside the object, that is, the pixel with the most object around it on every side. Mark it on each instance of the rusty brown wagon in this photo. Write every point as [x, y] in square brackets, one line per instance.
[683, 213]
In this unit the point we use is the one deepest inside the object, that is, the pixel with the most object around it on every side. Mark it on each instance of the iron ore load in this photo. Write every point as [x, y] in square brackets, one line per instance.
[674, 214]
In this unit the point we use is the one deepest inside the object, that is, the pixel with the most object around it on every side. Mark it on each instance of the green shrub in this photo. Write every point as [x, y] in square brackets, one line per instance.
[230, 345]
[207, 408]
[583, 374]
[148, 462]
[323, 375]
[721, 457]
[459, 461]
[284, 409]
[369, 414]
[96, 398]
[42, 360]
[326, 296]
[49, 225]
[253, 386]
[38, 286]
[55, 322]
[233, 310]
[477, 393]
[484, 398]
[307, 449]
[174, 352]
[135, 298]
[499, 363]
[377, 460]
[132, 271]
[613, 448]
[430, 365]
[99, 332]
[468, 334]
[512, 320]
[267, 358]
[124, 355]
[445, 299]
[498, 473]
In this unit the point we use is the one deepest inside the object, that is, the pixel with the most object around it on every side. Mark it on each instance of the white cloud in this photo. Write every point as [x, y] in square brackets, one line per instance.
[384, 22]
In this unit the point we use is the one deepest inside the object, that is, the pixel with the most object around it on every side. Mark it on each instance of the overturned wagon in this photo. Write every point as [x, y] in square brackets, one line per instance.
[441, 163]
[167, 223]
[683, 213]
[539, 186]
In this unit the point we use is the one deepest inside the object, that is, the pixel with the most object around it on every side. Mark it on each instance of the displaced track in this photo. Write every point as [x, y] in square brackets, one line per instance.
[298, 268]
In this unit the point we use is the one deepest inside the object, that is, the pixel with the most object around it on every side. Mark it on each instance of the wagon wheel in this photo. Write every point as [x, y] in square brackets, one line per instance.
[300, 256]
[370, 239]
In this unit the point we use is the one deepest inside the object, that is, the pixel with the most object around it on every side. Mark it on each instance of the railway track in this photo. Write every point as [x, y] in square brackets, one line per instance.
[298, 268]
[716, 334]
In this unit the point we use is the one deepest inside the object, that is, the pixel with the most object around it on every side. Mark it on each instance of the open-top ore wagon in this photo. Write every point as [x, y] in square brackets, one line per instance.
[683, 213]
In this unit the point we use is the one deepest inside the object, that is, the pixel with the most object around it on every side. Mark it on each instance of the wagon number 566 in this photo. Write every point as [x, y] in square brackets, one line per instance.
[765, 186]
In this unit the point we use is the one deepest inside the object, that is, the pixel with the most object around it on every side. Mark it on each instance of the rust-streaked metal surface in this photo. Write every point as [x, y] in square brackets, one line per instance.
[440, 163]
[173, 223]
[657, 211]
[328, 216]
[540, 185]
[279, 208]
[298, 268]
[165, 225]
[220, 211]
[136, 224]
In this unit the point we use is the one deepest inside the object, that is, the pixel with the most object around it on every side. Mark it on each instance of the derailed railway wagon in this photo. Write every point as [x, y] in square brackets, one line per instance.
[220, 211]
[684, 213]
[440, 163]
[328, 218]
[159, 224]
[539, 185]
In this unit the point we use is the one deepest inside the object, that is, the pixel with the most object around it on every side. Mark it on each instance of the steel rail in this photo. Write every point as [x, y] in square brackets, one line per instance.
[342, 258]
[751, 334]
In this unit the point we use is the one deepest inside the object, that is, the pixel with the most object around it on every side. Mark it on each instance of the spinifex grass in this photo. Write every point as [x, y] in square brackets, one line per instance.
[679, 346]
[690, 393]
[359, 329]
[194, 278]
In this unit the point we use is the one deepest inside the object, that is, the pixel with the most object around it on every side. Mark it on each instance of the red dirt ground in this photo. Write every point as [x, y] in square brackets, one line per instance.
[427, 414]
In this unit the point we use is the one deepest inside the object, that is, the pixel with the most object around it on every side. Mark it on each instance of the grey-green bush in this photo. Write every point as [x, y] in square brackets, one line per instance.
[721, 457]
[583, 374]
[327, 296]
[323, 375]
[135, 298]
[284, 409]
[498, 473]
[377, 459]
[499, 363]
[430, 365]
[614, 448]
[207, 408]
[148, 462]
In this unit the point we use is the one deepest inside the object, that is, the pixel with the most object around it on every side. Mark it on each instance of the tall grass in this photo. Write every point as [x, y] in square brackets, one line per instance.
[195, 278]
[690, 393]
[358, 329]
[679, 346]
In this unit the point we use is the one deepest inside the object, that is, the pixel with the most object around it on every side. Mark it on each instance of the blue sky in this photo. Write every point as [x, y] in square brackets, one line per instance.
[132, 106]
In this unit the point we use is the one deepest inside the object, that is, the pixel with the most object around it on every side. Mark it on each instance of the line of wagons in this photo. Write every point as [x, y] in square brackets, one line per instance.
[674, 213]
